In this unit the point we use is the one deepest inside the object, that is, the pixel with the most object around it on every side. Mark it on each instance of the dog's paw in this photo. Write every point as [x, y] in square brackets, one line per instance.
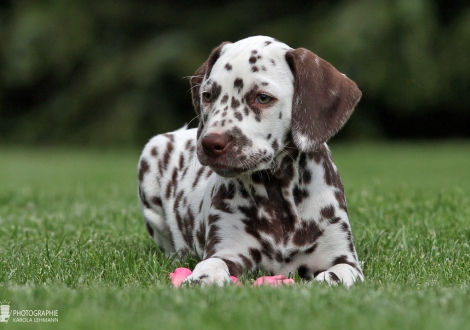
[340, 274]
[212, 271]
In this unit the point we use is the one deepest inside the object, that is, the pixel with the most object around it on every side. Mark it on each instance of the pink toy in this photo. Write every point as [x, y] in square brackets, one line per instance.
[276, 280]
[178, 276]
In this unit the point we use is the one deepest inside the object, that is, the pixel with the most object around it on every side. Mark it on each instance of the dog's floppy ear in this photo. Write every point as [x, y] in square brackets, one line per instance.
[198, 77]
[323, 99]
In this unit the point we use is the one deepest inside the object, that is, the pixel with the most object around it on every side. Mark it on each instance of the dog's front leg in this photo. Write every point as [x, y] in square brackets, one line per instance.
[228, 251]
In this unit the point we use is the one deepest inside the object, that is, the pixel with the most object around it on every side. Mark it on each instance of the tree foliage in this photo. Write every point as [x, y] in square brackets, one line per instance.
[115, 71]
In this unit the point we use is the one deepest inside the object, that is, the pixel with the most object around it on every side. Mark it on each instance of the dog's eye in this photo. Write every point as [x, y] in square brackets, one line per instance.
[206, 96]
[263, 98]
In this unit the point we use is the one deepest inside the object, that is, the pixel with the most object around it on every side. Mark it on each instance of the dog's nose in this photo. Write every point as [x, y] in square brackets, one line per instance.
[215, 145]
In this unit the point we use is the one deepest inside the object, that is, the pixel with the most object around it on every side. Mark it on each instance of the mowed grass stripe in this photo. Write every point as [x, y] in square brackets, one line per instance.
[72, 238]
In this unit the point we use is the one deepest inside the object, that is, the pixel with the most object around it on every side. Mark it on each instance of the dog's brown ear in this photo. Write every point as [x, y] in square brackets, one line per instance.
[198, 77]
[323, 99]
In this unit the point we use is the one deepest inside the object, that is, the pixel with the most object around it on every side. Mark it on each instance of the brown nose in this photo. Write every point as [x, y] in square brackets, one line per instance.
[215, 145]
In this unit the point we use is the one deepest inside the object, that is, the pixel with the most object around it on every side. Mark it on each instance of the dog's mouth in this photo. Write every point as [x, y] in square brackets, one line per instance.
[227, 172]
[230, 171]
[233, 163]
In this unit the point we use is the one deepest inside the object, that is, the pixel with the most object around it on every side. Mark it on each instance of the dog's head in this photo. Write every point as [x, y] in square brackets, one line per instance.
[251, 95]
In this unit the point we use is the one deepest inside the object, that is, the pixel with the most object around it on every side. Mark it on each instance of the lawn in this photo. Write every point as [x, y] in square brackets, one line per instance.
[72, 239]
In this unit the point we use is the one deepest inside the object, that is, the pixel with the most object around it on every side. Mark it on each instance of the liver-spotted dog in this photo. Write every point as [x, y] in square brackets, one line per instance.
[254, 186]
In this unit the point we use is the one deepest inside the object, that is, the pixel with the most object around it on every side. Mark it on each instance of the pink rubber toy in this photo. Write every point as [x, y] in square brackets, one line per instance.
[178, 276]
[276, 280]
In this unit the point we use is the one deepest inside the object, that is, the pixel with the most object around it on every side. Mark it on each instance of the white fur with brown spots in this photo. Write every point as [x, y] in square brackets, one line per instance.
[255, 185]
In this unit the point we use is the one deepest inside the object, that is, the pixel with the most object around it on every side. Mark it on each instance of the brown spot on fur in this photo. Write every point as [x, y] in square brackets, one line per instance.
[216, 90]
[334, 277]
[167, 154]
[143, 198]
[306, 176]
[181, 162]
[311, 249]
[185, 221]
[228, 67]
[143, 168]
[174, 177]
[168, 189]
[234, 268]
[345, 227]
[339, 195]
[275, 145]
[230, 191]
[170, 137]
[219, 199]
[188, 145]
[237, 135]
[304, 272]
[255, 254]
[238, 115]
[330, 174]
[212, 240]
[238, 84]
[246, 261]
[328, 212]
[201, 235]
[157, 201]
[300, 194]
[149, 229]
[344, 260]
[308, 233]
[198, 176]
[235, 103]
[184, 173]
[224, 99]
[267, 249]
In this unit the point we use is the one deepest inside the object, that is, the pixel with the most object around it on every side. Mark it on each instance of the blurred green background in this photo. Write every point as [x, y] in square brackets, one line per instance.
[115, 72]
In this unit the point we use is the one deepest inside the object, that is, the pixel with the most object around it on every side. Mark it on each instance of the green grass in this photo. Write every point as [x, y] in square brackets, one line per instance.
[72, 239]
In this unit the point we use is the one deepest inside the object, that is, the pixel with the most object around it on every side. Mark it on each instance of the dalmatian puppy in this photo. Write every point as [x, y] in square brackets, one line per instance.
[254, 186]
